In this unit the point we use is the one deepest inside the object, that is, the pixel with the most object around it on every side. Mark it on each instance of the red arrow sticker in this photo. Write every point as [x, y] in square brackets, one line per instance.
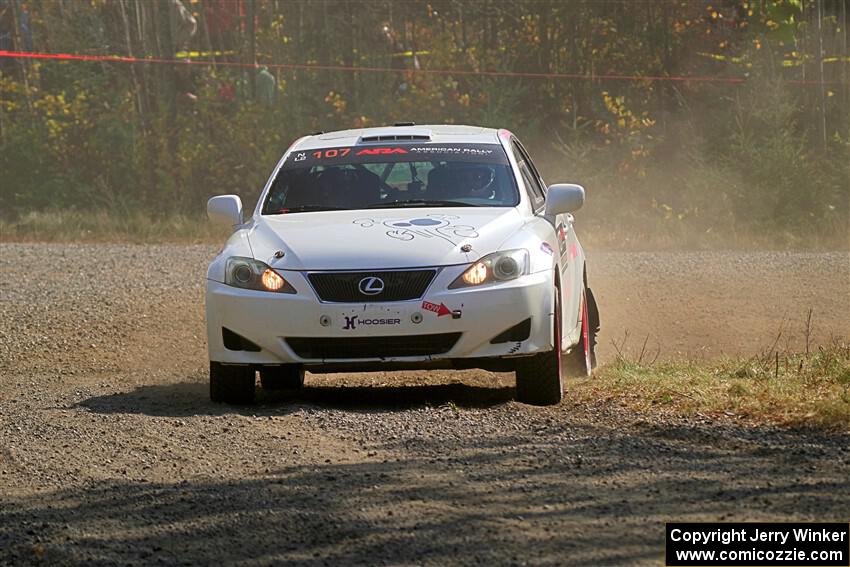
[440, 309]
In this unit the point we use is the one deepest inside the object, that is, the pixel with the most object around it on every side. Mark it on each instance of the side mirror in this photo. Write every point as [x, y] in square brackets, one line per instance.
[225, 209]
[562, 198]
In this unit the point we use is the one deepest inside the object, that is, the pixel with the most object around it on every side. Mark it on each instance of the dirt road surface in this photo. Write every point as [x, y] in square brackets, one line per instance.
[111, 453]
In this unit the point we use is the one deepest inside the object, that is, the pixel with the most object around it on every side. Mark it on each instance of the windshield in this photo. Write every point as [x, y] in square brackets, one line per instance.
[372, 177]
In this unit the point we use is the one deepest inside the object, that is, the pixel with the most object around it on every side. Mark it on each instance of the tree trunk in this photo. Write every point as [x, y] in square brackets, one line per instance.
[252, 49]
[819, 4]
[845, 68]
[133, 75]
[16, 26]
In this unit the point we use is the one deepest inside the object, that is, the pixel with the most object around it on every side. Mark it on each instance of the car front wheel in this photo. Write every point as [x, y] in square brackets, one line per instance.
[231, 384]
[539, 378]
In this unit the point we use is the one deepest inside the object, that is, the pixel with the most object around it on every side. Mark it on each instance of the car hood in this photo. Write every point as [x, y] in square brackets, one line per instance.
[381, 239]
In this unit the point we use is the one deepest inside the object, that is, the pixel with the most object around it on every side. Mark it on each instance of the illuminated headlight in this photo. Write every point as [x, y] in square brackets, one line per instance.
[248, 273]
[496, 267]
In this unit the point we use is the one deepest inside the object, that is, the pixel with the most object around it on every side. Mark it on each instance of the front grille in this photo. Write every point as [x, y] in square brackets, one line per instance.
[343, 287]
[372, 347]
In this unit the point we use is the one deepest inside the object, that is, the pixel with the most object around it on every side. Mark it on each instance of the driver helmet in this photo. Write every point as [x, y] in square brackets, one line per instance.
[474, 180]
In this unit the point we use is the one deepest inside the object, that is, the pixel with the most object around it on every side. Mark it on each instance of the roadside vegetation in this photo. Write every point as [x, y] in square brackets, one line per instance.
[796, 389]
[142, 227]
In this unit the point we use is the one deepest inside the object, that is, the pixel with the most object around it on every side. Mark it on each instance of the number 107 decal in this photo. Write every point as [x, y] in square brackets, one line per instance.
[332, 153]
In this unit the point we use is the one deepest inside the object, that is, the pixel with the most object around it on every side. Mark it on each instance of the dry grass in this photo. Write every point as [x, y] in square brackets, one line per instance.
[142, 227]
[101, 226]
[789, 389]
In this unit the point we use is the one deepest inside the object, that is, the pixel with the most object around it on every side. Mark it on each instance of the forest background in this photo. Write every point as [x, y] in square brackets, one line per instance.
[692, 123]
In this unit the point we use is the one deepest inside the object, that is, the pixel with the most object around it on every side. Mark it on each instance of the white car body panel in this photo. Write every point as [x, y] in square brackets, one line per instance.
[351, 240]
[363, 240]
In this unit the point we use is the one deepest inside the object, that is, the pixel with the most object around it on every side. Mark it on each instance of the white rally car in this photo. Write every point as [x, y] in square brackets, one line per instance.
[403, 247]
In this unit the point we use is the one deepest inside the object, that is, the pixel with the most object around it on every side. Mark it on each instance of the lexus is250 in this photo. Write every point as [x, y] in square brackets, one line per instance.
[401, 247]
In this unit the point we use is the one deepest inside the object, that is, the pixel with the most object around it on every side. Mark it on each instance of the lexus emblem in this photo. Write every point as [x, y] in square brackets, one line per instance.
[371, 286]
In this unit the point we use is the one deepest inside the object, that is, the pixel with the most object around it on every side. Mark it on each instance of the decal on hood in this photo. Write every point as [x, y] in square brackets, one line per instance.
[423, 226]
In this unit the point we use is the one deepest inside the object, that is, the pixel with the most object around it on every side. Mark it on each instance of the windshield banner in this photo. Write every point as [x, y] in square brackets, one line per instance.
[477, 153]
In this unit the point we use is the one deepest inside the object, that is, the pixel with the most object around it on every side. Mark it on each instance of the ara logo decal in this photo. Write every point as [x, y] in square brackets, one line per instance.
[440, 309]
[380, 151]
[426, 226]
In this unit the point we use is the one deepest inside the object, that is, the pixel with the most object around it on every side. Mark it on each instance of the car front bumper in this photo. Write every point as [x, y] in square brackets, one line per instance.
[286, 326]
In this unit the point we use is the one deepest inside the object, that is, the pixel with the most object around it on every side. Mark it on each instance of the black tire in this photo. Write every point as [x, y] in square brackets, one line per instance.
[580, 361]
[539, 378]
[231, 384]
[593, 318]
[283, 377]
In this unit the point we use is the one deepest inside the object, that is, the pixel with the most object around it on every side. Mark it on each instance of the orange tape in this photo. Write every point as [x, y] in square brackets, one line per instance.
[351, 69]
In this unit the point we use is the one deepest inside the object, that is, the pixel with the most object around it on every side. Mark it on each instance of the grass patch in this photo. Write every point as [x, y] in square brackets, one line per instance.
[140, 227]
[102, 226]
[789, 389]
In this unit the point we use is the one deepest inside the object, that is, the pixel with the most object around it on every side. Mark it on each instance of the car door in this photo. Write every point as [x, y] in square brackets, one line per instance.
[571, 271]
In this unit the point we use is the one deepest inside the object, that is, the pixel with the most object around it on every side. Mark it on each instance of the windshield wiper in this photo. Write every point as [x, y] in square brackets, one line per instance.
[420, 203]
[306, 208]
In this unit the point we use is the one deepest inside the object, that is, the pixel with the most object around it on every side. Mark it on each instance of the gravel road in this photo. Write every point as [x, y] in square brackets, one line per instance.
[111, 453]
